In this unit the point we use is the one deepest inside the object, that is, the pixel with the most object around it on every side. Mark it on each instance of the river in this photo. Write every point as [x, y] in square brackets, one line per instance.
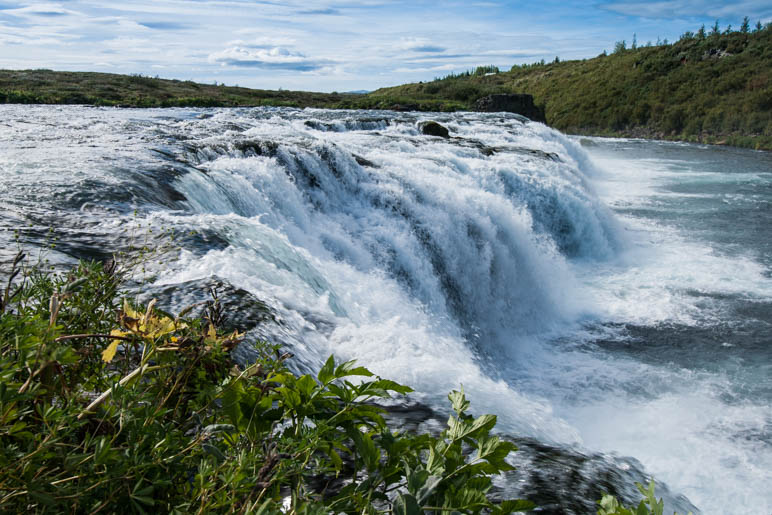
[608, 298]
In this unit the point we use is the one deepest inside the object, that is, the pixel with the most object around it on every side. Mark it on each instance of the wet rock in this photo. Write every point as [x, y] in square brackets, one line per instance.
[154, 186]
[559, 480]
[364, 162]
[257, 148]
[316, 125]
[432, 128]
[404, 107]
[519, 103]
[489, 151]
[242, 310]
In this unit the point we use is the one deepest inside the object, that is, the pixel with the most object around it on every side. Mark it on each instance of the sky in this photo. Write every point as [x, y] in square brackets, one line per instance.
[329, 45]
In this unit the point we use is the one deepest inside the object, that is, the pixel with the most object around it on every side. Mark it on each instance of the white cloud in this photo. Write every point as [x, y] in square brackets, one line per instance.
[692, 8]
[419, 44]
[45, 10]
[275, 57]
[264, 42]
[440, 68]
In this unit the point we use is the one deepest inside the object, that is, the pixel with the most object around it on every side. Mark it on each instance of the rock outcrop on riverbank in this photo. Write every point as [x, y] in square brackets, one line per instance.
[519, 103]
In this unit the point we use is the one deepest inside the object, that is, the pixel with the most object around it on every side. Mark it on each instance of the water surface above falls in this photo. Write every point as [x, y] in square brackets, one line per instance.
[607, 298]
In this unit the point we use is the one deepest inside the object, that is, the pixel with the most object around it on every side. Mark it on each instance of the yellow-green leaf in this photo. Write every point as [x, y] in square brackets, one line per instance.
[156, 326]
[109, 353]
[129, 311]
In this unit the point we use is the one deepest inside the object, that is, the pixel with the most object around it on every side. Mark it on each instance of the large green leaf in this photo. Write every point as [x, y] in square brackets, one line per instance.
[494, 451]
[327, 372]
[427, 489]
[305, 386]
[458, 401]
[512, 506]
[406, 504]
[468, 499]
[349, 368]
[231, 406]
[290, 397]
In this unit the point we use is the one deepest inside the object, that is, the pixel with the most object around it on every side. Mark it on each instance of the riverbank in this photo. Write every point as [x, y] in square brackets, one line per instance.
[110, 89]
[643, 133]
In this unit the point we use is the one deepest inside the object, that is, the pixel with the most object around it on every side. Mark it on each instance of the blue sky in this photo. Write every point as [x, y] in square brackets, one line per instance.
[327, 45]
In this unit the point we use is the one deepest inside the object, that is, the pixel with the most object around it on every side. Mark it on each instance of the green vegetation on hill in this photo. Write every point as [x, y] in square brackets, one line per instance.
[709, 87]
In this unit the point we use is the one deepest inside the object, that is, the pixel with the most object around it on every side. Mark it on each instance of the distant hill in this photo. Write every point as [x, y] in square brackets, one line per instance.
[109, 89]
[707, 87]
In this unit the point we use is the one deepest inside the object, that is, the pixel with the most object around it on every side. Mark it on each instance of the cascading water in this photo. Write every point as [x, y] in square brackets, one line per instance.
[490, 259]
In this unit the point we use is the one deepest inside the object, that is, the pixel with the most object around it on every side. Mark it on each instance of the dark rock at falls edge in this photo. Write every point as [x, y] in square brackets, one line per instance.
[244, 310]
[431, 128]
[519, 103]
[405, 107]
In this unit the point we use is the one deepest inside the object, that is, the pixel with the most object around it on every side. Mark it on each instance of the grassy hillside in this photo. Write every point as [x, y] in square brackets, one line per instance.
[710, 87]
[714, 88]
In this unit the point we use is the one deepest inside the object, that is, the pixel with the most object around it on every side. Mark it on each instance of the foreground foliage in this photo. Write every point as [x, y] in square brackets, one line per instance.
[107, 406]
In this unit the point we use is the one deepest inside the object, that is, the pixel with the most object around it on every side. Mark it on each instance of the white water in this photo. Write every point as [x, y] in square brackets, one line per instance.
[475, 285]
[527, 252]
[686, 424]
[436, 264]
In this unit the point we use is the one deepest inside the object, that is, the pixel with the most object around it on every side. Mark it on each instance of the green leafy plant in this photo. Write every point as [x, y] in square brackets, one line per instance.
[649, 505]
[456, 476]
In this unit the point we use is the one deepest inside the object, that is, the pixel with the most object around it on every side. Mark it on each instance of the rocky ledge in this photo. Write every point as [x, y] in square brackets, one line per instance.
[519, 103]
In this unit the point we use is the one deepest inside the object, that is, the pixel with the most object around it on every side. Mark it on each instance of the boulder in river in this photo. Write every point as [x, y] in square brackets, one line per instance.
[432, 128]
